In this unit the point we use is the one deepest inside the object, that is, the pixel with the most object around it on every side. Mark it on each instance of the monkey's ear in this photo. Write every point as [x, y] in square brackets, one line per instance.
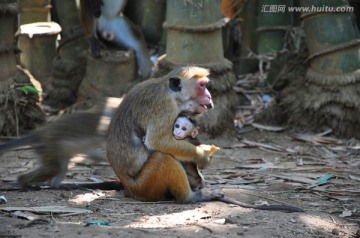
[195, 132]
[175, 84]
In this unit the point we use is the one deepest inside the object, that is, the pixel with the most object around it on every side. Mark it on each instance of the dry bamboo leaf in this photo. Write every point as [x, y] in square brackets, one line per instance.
[354, 177]
[3, 199]
[296, 178]
[27, 215]
[264, 166]
[316, 139]
[240, 182]
[263, 145]
[48, 209]
[337, 192]
[267, 128]
[346, 213]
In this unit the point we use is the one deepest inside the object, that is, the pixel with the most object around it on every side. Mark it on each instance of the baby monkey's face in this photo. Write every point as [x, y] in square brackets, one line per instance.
[183, 128]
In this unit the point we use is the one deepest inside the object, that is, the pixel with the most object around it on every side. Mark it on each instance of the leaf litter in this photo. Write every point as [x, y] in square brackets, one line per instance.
[265, 167]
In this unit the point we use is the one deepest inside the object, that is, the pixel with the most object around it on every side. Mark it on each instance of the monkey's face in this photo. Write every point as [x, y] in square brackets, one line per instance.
[182, 128]
[192, 94]
[202, 95]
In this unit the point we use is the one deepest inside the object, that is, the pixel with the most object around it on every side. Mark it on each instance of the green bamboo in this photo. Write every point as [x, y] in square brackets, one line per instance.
[34, 11]
[194, 37]
[69, 19]
[248, 36]
[331, 38]
[194, 31]
[328, 96]
[273, 21]
[152, 20]
[70, 63]
[8, 14]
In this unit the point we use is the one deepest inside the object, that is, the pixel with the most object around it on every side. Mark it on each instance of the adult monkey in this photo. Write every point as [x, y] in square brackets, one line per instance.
[151, 170]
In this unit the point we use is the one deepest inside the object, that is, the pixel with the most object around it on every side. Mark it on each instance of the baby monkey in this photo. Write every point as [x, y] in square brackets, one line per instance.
[186, 128]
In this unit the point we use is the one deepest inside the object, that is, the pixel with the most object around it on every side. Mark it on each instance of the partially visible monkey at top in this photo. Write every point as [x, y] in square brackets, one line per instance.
[105, 18]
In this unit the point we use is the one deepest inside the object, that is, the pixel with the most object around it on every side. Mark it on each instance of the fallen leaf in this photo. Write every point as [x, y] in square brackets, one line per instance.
[220, 221]
[267, 128]
[3, 199]
[48, 209]
[354, 177]
[27, 215]
[316, 139]
[346, 213]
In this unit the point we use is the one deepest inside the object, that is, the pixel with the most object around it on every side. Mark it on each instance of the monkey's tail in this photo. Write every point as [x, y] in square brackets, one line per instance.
[30, 139]
[144, 63]
[284, 208]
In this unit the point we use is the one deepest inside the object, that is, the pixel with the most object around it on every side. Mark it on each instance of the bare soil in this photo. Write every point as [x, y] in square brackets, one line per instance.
[277, 171]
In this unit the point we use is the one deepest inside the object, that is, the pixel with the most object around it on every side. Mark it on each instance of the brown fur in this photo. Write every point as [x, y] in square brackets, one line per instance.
[152, 170]
[57, 142]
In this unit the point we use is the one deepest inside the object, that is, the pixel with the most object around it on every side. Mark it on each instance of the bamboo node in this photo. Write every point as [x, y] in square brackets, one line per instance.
[272, 28]
[334, 49]
[341, 79]
[199, 28]
[312, 14]
[9, 48]
[11, 8]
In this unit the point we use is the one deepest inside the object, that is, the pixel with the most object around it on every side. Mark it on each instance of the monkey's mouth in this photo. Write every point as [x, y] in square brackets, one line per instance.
[208, 106]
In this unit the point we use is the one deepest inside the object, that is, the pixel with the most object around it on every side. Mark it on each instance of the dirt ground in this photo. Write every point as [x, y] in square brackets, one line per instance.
[259, 168]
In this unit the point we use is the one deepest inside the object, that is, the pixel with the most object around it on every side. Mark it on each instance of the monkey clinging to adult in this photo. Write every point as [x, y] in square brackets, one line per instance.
[152, 170]
[185, 128]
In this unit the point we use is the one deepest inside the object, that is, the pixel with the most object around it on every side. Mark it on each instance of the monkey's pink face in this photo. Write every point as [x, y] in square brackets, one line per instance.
[202, 95]
[192, 94]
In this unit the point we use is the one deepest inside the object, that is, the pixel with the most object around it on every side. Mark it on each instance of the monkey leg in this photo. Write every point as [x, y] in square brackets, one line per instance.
[163, 177]
[52, 169]
[32, 179]
[195, 177]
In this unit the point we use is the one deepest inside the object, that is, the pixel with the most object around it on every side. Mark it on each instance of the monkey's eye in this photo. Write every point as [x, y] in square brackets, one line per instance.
[177, 126]
[183, 128]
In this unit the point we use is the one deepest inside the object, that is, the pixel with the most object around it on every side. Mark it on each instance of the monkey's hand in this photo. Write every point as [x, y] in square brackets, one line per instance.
[209, 149]
[204, 160]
